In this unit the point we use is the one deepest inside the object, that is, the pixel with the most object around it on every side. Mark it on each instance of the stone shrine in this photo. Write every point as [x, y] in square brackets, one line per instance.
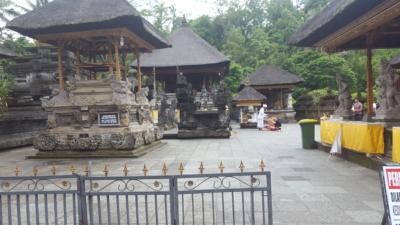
[95, 118]
[195, 122]
[35, 73]
[98, 118]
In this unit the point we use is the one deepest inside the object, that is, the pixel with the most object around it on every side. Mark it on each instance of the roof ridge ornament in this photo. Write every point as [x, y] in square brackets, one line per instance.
[247, 83]
[184, 21]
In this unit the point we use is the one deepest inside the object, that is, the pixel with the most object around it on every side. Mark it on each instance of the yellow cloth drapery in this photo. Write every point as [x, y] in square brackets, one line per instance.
[361, 137]
[396, 144]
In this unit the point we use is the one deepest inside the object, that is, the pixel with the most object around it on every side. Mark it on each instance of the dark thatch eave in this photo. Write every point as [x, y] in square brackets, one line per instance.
[335, 16]
[188, 50]
[6, 53]
[269, 75]
[395, 61]
[249, 94]
[63, 16]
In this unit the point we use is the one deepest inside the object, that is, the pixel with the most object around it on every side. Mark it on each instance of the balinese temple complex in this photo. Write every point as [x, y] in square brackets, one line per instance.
[94, 117]
[351, 25]
[248, 99]
[199, 62]
[276, 85]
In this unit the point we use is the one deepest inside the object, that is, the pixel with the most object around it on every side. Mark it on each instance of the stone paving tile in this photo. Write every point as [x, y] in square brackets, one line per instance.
[307, 187]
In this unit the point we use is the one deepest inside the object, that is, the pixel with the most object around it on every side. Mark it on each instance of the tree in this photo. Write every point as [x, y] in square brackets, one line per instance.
[17, 45]
[34, 4]
[6, 11]
[236, 75]
[234, 47]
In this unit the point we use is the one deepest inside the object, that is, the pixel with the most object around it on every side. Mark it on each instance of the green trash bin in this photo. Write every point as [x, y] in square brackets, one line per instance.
[308, 132]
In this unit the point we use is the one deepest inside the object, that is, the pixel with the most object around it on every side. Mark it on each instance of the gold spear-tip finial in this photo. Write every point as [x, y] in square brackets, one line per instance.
[181, 169]
[16, 171]
[35, 170]
[145, 170]
[201, 168]
[241, 166]
[125, 170]
[54, 170]
[262, 165]
[164, 169]
[72, 169]
[221, 167]
[87, 171]
[105, 171]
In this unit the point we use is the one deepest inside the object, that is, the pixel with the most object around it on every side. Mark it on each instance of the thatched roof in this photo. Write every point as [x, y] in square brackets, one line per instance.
[188, 49]
[6, 53]
[269, 75]
[335, 16]
[63, 16]
[248, 94]
[395, 61]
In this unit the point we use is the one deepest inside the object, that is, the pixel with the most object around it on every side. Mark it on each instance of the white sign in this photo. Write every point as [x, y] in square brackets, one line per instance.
[390, 182]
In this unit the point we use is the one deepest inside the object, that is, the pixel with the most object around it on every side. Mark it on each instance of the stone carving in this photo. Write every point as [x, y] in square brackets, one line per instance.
[122, 96]
[344, 96]
[139, 141]
[149, 136]
[122, 141]
[84, 143]
[72, 82]
[59, 96]
[141, 116]
[289, 101]
[45, 141]
[86, 119]
[204, 93]
[83, 101]
[141, 96]
[162, 113]
[51, 122]
[160, 94]
[381, 81]
[388, 96]
[159, 132]
[171, 113]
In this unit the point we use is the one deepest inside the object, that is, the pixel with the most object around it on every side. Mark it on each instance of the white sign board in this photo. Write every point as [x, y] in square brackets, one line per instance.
[390, 184]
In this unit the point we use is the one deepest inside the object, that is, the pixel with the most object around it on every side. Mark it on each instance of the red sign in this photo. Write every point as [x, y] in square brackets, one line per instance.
[393, 178]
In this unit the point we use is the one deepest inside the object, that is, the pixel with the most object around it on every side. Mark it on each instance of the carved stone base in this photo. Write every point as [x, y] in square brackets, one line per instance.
[346, 114]
[368, 118]
[392, 115]
[98, 154]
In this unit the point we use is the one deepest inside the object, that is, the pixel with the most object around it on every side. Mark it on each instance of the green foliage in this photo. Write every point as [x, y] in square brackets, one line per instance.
[7, 11]
[6, 81]
[236, 75]
[18, 45]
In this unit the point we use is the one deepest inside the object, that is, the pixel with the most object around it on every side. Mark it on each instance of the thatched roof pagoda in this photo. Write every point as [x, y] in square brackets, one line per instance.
[90, 28]
[353, 24]
[273, 83]
[196, 59]
[269, 76]
[248, 96]
[395, 61]
[6, 53]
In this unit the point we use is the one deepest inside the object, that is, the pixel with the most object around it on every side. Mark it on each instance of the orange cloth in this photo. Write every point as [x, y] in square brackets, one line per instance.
[367, 138]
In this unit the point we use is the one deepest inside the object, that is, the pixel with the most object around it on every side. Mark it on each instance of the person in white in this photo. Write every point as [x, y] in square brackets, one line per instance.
[374, 106]
[260, 118]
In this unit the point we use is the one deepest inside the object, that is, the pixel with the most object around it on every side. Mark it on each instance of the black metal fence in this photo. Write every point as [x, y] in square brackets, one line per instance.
[225, 198]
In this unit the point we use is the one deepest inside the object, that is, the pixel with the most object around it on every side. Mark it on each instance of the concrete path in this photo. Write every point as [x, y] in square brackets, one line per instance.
[307, 187]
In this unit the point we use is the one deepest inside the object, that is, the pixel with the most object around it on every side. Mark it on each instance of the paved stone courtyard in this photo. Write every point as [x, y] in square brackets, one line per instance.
[307, 188]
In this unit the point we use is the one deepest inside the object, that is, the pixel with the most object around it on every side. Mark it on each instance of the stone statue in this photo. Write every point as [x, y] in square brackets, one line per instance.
[344, 96]
[392, 95]
[141, 96]
[59, 96]
[122, 96]
[289, 101]
[381, 82]
[204, 93]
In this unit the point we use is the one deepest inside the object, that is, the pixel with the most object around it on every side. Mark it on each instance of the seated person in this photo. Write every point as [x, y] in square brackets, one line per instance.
[272, 123]
[278, 124]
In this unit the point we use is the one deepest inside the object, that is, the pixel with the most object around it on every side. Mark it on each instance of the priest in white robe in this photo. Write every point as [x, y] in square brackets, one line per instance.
[260, 118]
